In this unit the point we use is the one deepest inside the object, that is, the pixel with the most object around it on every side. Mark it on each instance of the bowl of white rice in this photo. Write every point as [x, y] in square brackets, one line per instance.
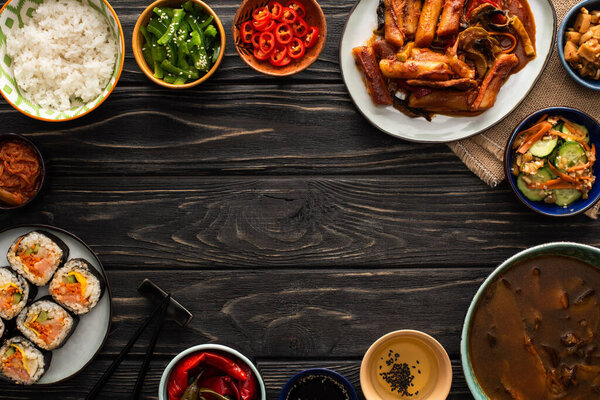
[59, 59]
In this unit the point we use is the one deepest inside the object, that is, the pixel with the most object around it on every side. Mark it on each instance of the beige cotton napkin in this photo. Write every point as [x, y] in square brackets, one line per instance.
[484, 153]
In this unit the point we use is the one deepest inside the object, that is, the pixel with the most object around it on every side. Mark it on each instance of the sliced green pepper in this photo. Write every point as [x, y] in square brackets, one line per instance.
[210, 31]
[179, 72]
[173, 26]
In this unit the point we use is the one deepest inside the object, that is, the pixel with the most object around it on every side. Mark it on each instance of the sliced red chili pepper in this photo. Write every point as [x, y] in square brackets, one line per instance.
[248, 388]
[275, 8]
[296, 48]
[261, 13]
[477, 3]
[246, 32]
[285, 61]
[312, 37]
[255, 39]
[298, 7]
[259, 55]
[278, 55]
[260, 25]
[300, 27]
[266, 42]
[288, 15]
[283, 33]
[270, 27]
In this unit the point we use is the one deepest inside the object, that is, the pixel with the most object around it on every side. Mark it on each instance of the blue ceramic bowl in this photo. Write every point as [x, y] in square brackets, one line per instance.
[588, 254]
[319, 371]
[568, 22]
[552, 210]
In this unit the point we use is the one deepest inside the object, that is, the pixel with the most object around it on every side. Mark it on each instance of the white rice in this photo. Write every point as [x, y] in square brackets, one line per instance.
[34, 358]
[31, 239]
[92, 288]
[6, 277]
[54, 311]
[64, 56]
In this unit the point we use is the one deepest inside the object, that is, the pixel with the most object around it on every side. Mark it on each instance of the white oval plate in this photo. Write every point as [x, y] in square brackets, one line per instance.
[360, 24]
[92, 330]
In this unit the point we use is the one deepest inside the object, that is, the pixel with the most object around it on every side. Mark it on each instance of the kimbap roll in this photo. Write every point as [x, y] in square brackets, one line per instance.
[46, 324]
[21, 362]
[77, 286]
[37, 255]
[14, 293]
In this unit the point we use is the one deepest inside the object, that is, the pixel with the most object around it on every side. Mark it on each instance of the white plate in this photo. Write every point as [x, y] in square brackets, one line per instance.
[92, 330]
[363, 20]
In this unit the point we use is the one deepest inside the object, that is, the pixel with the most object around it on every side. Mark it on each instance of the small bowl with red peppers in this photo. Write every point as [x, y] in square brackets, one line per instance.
[279, 37]
[211, 371]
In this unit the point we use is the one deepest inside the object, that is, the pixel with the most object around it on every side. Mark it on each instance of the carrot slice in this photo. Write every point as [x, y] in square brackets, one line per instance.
[545, 128]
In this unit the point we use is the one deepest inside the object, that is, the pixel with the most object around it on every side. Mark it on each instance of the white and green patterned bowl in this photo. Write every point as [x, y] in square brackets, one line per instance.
[12, 16]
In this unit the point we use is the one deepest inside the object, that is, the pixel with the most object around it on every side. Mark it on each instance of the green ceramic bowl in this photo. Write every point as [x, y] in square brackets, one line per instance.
[12, 16]
[588, 254]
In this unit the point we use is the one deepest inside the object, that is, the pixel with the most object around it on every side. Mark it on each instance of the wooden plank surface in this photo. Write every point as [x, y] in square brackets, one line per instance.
[294, 230]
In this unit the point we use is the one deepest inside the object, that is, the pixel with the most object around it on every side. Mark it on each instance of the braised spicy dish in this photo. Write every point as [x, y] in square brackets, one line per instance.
[582, 47]
[447, 57]
[554, 162]
[20, 172]
[212, 376]
[279, 34]
[534, 334]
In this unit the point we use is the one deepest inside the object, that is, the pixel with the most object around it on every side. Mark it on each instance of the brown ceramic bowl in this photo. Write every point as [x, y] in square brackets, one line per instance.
[138, 40]
[5, 137]
[314, 17]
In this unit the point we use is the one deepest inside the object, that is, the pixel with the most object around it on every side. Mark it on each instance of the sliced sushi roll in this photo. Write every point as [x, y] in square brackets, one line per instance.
[77, 286]
[46, 324]
[37, 255]
[15, 292]
[21, 362]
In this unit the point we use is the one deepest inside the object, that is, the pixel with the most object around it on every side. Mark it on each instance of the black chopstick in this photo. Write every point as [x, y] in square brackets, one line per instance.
[109, 371]
[150, 351]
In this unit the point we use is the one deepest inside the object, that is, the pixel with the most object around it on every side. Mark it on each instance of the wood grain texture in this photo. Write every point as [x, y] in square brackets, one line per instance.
[369, 221]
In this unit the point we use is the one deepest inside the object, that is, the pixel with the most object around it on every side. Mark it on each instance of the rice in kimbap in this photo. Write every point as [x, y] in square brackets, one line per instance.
[46, 324]
[77, 286]
[21, 362]
[36, 255]
[14, 293]
[2, 328]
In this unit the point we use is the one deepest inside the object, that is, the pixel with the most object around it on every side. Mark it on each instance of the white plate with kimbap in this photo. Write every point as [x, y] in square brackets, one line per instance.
[55, 305]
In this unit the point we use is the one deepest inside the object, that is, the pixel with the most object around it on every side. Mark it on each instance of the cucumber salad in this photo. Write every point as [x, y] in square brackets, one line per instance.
[554, 161]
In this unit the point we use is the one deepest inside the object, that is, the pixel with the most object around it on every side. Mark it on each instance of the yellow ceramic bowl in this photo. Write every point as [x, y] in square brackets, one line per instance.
[138, 40]
[418, 357]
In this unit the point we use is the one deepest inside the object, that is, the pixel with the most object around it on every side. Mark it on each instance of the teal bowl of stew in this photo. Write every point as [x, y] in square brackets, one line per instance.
[587, 254]
[553, 210]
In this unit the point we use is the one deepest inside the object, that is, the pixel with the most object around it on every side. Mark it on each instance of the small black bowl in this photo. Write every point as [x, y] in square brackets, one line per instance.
[5, 137]
[553, 210]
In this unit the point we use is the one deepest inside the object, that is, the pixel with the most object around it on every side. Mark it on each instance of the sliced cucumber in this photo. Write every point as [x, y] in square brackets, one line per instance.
[564, 197]
[9, 352]
[566, 130]
[42, 316]
[542, 175]
[558, 127]
[17, 298]
[544, 146]
[573, 152]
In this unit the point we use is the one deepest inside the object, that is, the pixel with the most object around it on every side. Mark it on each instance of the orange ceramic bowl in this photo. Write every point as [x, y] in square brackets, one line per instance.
[314, 17]
[138, 41]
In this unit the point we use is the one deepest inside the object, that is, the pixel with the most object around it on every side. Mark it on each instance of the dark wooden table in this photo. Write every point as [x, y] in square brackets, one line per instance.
[291, 228]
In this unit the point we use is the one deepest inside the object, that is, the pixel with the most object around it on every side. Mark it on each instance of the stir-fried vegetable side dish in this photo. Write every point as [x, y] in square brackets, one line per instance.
[211, 376]
[279, 34]
[448, 57]
[582, 47]
[19, 173]
[554, 161]
[181, 44]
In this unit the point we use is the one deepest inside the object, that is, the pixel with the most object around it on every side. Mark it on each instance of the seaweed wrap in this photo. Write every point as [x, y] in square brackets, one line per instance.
[46, 324]
[21, 362]
[37, 255]
[15, 293]
[77, 286]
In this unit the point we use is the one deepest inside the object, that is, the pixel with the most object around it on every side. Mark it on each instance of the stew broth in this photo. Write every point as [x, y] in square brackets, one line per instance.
[534, 334]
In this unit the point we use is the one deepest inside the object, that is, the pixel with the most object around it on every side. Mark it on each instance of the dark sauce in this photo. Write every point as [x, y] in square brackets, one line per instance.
[318, 387]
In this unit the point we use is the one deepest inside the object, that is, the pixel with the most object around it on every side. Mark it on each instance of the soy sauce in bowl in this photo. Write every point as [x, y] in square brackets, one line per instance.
[318, 384]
